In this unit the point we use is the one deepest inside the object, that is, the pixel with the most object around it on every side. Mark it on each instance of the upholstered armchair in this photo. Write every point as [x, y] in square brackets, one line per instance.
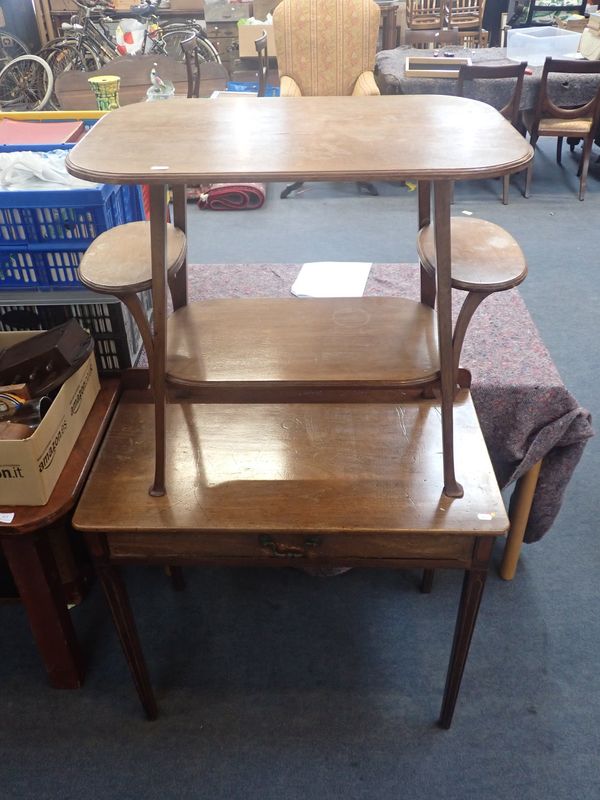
[326, 47]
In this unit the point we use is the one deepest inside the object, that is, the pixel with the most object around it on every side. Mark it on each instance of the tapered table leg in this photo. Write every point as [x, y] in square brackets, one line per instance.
[35, 573]
[120, 608]
[158, 237]
[470, 601]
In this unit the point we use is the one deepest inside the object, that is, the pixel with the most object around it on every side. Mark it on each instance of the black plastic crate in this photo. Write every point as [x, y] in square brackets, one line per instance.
[117, 339]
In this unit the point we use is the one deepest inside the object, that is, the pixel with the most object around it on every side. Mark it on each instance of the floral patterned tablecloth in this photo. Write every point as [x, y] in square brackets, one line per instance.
[525, 410]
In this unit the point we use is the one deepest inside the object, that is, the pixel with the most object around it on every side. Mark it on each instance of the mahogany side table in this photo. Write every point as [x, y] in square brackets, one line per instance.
[29, 554]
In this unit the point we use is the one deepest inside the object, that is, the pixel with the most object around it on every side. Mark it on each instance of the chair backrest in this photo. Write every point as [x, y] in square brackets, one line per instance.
[262, 55]
[465, 13]
[192, 65]
[545, 107]
[431, 39]
[425, 14]
[480, 72]
[473, 39]
[324, 45]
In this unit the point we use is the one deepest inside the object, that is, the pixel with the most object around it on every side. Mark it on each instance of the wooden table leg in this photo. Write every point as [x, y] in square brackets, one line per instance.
[470, 600]
[442, 194]
[35, 573]
[427, 279]
[519, 514]
[179, 284]
[120, 608]
[158, 237]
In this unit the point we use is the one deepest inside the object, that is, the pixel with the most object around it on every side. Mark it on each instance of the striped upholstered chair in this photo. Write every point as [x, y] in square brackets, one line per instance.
[325, 48]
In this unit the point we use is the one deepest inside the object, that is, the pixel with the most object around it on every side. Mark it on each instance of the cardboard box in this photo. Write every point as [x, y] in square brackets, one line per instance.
[589, 46]
[30, 468]
[248, 34]
[576, 22]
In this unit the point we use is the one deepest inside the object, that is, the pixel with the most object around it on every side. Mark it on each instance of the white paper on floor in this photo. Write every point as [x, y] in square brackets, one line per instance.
[331, 279]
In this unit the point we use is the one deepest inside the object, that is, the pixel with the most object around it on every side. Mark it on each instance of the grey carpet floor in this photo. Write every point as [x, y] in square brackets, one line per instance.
[281, 685]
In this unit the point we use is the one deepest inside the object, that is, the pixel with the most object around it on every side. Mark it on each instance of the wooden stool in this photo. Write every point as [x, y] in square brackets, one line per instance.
[485, 259]
[118, 262]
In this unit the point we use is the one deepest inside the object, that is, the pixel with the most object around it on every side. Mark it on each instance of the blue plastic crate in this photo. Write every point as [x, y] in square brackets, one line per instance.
[43, 234]
[251, 87]
[39, 268]
[117, 339]
[66, 215]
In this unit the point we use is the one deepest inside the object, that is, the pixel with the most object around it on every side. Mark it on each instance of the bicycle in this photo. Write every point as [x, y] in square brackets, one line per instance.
[88, 42]
[26, 84]
[11, 47]
[173, 33]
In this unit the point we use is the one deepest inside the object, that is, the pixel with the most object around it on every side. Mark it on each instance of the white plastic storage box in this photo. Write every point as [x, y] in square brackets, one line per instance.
[117, 339]
[535, 44]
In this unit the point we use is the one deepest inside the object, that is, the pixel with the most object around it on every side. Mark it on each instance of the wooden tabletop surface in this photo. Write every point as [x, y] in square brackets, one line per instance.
[305, 138]
[327, 468]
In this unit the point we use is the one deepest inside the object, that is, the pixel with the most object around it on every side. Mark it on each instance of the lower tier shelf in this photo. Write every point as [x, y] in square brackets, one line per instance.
[303, 343]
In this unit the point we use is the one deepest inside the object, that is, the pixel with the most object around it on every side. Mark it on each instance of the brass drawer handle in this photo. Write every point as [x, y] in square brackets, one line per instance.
[281, 550]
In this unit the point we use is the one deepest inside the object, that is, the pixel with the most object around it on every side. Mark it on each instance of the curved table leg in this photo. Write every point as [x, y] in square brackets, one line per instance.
[427, 277]
[442, 191]
[158, 238]
[178, 286]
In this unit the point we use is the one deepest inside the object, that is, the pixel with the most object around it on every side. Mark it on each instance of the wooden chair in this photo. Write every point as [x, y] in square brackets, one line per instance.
[118, 262]
[425, 14]
[192, 65]
[348, 49]
[474, 39]
[431, 39]
[548, 119]
[262, 55]
[465, 14]
[511, 110]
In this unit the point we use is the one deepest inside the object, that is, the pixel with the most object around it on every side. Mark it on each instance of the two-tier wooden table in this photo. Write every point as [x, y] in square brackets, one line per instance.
[286, 345]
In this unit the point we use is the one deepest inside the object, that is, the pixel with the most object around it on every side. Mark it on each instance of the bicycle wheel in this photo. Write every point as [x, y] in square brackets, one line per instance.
[26, 84]
[11, 47]
[171, 41]
[63, 55]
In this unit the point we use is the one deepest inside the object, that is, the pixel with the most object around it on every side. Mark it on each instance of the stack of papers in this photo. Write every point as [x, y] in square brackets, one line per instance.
[332, 279]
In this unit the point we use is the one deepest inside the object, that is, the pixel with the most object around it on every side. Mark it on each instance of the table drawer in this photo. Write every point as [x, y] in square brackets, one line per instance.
[290, 548]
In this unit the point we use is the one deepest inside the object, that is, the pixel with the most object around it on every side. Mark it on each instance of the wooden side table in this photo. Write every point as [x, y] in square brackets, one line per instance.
[289, 139]
[31, 559]
[322, 484]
